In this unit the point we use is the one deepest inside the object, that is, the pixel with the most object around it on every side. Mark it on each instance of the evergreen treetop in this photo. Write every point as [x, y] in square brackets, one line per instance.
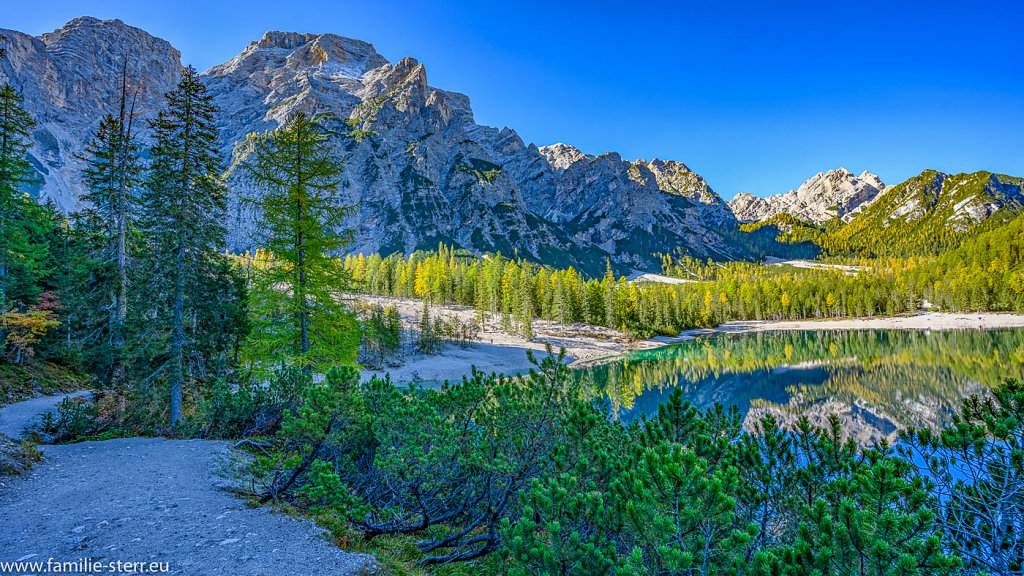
[21, 252]
[299, 317]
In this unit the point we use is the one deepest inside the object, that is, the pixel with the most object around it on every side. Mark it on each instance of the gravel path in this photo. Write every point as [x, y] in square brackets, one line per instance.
[14, 418]
[153, 500]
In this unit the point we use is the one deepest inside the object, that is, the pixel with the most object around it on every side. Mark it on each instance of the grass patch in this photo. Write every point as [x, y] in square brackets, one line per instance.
[37, 378]
[397, 555]
[16, 457]
[485, 172]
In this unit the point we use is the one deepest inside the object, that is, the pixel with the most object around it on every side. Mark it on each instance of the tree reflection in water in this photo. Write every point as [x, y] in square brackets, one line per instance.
[878, 382]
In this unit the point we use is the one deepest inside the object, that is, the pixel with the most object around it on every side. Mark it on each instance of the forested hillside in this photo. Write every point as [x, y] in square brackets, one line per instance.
[929, 214]
[924, 216]
[983, 273]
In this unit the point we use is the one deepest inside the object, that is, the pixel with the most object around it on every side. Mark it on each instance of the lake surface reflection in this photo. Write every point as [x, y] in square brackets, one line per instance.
[878, 382]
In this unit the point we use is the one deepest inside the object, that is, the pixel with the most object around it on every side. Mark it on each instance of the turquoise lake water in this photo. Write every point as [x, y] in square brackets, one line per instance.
[877, 382]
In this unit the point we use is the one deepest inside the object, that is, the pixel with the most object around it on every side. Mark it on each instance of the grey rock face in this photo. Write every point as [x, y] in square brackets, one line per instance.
[629, 208]
[749, 208]
[417, 164]
[70, 78]
[833, 194]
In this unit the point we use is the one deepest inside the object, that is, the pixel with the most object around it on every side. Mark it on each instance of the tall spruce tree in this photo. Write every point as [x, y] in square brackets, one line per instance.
[21, 254]
[73, 243]
[112, 174]
[183, 206]
[298, 316]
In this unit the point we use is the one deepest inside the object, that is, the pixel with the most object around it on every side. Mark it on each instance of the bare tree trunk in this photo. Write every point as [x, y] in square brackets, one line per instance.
[121, 299]
[303, 304]
[178, 337]
[122, 275]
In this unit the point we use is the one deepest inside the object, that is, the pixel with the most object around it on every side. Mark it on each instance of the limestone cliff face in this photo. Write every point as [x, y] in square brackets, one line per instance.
[833, 194]
[70, 78]
[629, 207]
[417, 164]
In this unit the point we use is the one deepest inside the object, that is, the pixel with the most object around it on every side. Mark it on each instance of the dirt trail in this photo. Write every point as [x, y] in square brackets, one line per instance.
[154, 500]
[14, 418]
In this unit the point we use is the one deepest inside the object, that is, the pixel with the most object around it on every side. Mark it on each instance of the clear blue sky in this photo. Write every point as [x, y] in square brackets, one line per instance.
[755, 96]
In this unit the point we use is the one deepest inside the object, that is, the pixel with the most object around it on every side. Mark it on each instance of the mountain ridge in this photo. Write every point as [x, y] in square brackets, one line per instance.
[417, 164]
[933, 209]
[837, 193]
[420, 168]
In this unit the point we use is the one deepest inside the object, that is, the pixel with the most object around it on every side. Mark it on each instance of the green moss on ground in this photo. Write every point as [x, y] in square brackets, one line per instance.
[37, 378]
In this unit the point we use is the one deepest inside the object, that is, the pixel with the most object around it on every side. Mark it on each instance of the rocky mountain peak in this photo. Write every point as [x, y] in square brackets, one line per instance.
[91, 41]
[837, 193]
[749, 208]
[89, 27]
[70, 78]
[667, 166]
[405, 83]
[283, 40]
[327, 54]
[416, 163]
[90, 55]
[318, 49]
[561, 156]
[674, 177]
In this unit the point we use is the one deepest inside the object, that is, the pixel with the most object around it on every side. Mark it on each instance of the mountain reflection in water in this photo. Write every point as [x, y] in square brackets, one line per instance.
[878, 382]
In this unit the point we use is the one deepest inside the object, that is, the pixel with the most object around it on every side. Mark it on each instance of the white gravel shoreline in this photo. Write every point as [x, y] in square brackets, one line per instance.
[585, 344]
[920, 321]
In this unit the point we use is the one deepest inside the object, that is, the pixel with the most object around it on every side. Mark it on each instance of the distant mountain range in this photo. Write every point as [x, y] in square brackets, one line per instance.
[833, 194]
[422, 170]
[932, 199]
[420, 167]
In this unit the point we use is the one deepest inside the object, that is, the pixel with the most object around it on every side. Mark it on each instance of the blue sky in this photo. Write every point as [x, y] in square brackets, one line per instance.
[754, 96]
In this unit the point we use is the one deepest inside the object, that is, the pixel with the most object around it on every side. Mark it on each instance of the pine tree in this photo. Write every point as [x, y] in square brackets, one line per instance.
[526, 322]
[559, 305]
[73, 245]
[112, 175]
[300, 222]
[183, 205]
[609, 285]
[21, 255]
[976, 465]
[877, 520]
[429, 341]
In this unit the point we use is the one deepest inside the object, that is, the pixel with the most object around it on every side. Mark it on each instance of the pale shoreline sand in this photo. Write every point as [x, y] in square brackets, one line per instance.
[586, 344]
[496, 351]
[920, 321]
